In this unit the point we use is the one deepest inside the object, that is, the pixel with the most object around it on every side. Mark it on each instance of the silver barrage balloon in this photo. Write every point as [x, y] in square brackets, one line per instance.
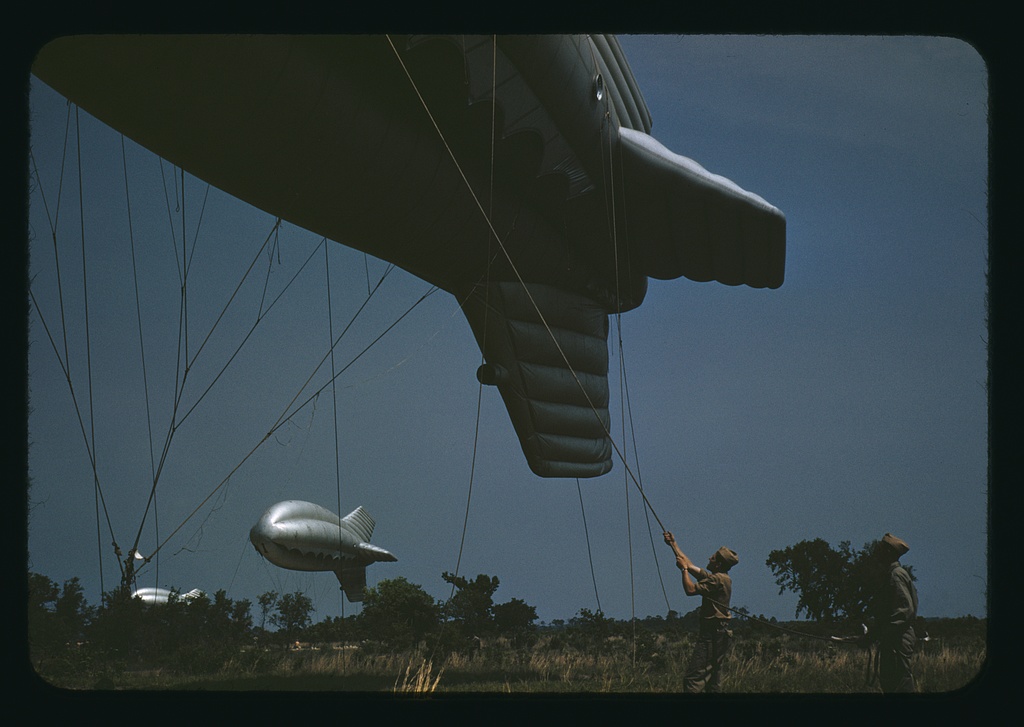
[303, 536]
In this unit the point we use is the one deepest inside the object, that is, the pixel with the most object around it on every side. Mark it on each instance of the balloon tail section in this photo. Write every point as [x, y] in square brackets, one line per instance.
[353, 581]
[546, 350]
[686, 221]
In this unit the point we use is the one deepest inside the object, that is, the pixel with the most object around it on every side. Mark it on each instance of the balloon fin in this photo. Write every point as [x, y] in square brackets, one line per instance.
[552, 373]
[373, 553]
[353, 580]
[361, 523]
[686, 221]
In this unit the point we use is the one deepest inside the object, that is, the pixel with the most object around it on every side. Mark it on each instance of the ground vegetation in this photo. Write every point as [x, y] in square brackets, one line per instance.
[405, 641]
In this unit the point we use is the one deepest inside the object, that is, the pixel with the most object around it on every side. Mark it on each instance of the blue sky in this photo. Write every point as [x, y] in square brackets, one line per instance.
[848, 403]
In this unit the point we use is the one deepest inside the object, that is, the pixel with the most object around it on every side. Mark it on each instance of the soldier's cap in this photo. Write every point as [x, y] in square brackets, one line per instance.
[899, 546]
[727, 557]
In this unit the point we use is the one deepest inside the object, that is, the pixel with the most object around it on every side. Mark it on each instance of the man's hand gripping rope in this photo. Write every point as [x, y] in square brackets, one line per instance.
[682, 562]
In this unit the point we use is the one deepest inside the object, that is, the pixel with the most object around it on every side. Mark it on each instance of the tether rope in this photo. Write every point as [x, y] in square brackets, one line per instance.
[636, 457]
[65, 363]
[91, 439]
[199, 224]
[184, 284]
[317, 392]
[179, 376]
[776, 626]
[608, 171]
[334, 399]
[252, 329]
[270, 267]
[487, 272]
[142, 347]
[586, 533]
[170, 218]
[176, 423]
[53, 222]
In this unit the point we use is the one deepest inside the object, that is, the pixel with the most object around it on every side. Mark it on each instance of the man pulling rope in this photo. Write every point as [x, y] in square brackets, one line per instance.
[714, 585]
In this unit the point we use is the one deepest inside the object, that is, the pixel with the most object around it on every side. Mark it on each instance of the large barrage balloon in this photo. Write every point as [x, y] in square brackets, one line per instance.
[419, 150]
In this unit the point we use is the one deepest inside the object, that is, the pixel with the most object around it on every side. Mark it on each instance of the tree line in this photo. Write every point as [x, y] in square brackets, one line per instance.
[198, 634]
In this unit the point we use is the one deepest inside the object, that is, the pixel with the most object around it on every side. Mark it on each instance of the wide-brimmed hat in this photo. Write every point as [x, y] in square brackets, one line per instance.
[900, 546]
[727, 557]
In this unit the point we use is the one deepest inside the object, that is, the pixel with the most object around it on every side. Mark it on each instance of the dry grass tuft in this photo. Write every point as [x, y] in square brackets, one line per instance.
[420, 682]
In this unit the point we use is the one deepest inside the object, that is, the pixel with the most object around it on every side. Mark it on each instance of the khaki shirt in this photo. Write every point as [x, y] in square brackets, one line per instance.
[715, 590]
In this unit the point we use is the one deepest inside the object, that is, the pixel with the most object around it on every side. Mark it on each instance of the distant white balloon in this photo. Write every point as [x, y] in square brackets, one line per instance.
[160, 596]
[303, 536]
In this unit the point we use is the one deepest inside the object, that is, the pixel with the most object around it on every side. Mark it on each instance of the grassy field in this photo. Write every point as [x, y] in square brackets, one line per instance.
[756, 666]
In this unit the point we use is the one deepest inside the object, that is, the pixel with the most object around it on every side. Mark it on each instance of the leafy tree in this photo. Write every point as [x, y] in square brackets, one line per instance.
[189, 635]
[815, 571]
[470, 607]
[199, 634]
[832, 584]
[267, 602]
[293, 614]
[42, 592]
[591, 630]
[193, 635]
[57, 617]
[338, 628]
[222, 619]
[398, 613]
[592, 623]
[71, 612]
[123, 630]
[515, 619]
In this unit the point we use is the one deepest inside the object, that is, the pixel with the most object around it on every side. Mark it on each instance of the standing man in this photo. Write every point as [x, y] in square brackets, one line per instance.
[713, 584]
[892, 613]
